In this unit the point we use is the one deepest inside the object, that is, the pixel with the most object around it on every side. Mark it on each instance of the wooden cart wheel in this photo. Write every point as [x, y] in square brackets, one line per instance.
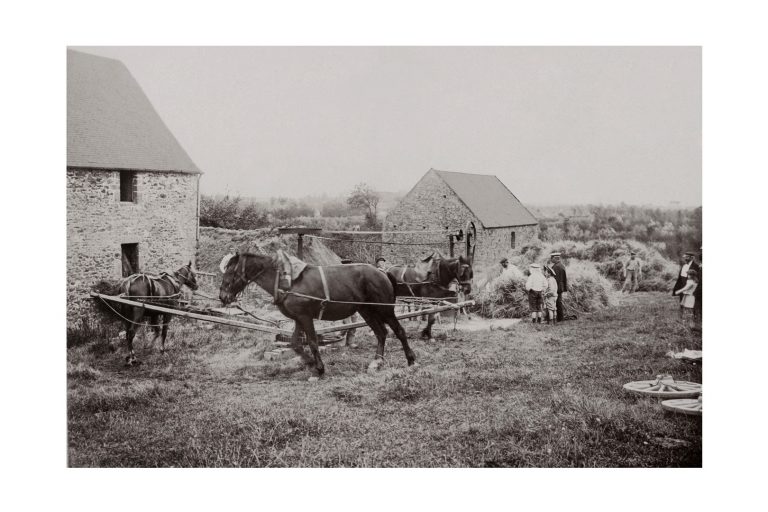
[664, 386]
[691, 406]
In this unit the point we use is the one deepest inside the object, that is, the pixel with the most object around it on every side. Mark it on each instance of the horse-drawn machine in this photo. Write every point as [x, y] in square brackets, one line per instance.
[303, 293]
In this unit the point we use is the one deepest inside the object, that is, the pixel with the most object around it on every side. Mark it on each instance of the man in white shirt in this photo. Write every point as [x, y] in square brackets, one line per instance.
[633, 272]
[535, 286]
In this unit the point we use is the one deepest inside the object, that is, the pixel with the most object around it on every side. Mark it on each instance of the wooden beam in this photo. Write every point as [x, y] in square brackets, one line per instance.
[421, 232]
[298, 231]
[197, 316]
[429, 311]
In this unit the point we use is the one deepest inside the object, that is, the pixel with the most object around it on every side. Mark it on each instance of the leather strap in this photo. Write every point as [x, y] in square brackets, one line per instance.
[325, 290]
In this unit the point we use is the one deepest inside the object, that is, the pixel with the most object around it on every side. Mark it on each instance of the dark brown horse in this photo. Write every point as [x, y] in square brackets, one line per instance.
[162, 289]
[346, 289]
[432, 278]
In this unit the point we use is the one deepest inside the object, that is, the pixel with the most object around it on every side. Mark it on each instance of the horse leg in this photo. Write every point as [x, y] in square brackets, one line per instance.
[307, 324]
[153, 321]
[350, 334]
[134, 317]
[380, 331]
[427, 332]
[297, 346]
[391, 320]
[166, 320]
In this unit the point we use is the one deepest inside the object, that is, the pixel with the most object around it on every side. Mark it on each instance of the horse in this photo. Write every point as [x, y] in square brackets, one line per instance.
[163, 289]
[332, 292]
[432, 278]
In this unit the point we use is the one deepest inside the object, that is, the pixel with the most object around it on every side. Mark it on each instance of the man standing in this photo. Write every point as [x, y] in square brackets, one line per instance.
[535, 285]
[697, 293]
[633, 273]
[562, 283]
[689, 263]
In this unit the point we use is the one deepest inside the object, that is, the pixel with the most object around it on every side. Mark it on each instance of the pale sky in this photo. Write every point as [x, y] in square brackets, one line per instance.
[556, 124]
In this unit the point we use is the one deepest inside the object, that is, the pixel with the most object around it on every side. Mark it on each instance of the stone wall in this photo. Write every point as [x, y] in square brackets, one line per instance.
[162, 221]
[433, 205]
[430, 205]
[495, 243]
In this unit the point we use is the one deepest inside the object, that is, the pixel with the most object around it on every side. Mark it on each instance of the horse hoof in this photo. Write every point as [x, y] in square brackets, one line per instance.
[314, 379]
[352, 345]
[431, 340]
[374, 366]
[413, 364]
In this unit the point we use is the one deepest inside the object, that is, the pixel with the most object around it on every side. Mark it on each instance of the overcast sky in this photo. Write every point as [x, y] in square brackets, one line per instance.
[555, 124]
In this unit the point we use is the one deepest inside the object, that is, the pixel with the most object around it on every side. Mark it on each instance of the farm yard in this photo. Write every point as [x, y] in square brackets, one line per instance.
[146, 224]
[526, 396]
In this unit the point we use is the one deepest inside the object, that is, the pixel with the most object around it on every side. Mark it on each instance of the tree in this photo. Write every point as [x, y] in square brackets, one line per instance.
[363, 198]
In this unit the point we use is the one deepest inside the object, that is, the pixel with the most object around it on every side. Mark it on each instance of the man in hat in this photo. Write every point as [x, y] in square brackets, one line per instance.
[697, 293]
[689, 263]
[535, 286]
[632, 272]
[381, 264]
[562, 283]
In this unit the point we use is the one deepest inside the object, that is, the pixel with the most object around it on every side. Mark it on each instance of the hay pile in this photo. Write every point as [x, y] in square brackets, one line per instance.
[659, 273]
[215, 243]
[505, 296]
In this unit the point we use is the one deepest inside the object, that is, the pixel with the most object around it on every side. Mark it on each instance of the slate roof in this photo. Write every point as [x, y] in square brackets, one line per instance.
[111, 123]
[488, 198]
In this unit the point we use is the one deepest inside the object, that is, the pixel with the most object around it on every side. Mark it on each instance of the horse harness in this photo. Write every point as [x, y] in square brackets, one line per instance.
[280, 294]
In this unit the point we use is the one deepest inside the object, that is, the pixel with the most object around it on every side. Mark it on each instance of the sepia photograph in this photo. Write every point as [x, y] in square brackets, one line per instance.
[384, 256]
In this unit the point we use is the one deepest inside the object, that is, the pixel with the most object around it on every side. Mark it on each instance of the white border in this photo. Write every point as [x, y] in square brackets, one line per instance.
[733, 37]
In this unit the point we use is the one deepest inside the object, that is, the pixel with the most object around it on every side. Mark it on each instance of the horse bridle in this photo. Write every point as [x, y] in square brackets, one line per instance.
[183, 279]
[460, 267]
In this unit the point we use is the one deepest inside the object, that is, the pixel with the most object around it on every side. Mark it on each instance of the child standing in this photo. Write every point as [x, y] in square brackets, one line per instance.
[550, 295]
[687, 300]
[535, 286]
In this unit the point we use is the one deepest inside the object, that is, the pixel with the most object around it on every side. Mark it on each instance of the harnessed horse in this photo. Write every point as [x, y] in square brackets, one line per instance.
[432, 280]
[163, 289]
[331, 292]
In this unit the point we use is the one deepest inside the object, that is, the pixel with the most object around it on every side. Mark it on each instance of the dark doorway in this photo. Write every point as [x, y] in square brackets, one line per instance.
[130, 257]
[512, 238]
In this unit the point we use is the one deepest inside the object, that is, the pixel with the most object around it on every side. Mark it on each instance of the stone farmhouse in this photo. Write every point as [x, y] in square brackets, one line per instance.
[452, 201]
[132, 190]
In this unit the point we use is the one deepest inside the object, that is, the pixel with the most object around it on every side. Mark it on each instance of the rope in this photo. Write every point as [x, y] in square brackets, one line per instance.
[276, 324]
[321, 299]
[377, 242]
[149, 296]
[204, 295]
[127, 319]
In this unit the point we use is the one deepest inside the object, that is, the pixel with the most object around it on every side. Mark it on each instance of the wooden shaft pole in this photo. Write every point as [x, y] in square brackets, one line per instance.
[399, 317]
[300, 251]
[188, 314]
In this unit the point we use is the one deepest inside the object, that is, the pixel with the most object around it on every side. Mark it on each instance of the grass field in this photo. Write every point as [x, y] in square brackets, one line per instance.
[530, 396]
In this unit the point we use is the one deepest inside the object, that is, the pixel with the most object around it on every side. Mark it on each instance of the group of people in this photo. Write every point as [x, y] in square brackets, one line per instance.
[688, 287]
[545, 287]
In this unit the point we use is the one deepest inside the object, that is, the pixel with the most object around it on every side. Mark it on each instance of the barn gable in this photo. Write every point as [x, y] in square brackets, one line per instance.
[450, 201]
[111, 123]
[132, 190]
[488, 198]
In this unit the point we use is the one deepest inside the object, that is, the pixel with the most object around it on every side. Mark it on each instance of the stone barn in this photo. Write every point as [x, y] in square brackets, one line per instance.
[455, 201]
[132, 190]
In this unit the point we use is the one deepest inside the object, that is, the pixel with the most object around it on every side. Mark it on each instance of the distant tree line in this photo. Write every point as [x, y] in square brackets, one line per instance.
[671, 231]
[359, 210]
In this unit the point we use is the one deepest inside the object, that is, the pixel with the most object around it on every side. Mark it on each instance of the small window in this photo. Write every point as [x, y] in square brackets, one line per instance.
[127, 187]
[130, 257]
[512, 239]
